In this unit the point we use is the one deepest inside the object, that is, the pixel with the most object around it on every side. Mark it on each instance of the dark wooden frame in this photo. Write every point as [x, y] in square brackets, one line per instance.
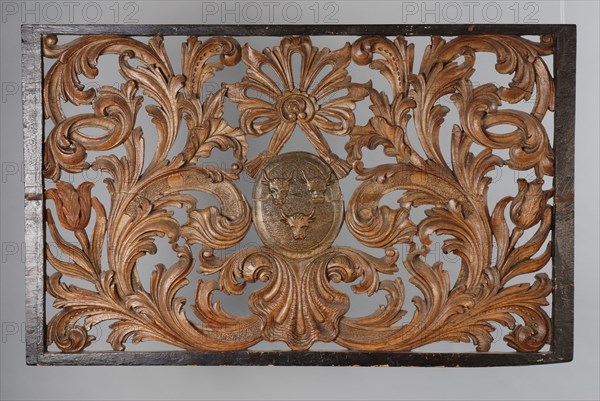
[561, 349]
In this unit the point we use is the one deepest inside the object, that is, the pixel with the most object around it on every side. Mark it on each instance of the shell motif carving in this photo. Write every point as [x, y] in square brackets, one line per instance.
[297, 206]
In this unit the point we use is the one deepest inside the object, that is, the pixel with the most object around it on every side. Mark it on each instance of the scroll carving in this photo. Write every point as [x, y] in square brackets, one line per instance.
[297, 206]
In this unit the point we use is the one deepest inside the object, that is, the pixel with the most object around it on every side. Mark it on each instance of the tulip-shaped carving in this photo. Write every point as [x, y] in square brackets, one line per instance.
[73, 206]
[528, 206]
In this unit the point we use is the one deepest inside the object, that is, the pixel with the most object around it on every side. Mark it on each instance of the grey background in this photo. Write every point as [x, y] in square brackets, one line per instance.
[576, 380]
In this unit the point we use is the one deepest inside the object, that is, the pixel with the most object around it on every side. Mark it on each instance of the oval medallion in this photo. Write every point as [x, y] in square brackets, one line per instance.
[298, 205]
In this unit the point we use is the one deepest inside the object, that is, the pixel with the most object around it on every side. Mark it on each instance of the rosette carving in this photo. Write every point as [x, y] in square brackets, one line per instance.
[314, 106]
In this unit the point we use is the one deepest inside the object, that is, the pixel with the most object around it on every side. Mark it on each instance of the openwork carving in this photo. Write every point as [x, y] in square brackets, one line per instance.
[297, 206]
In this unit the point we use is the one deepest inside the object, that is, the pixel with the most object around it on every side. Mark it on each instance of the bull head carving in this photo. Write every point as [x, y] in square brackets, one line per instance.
[316, 185]
[298, 222]
[278, 187]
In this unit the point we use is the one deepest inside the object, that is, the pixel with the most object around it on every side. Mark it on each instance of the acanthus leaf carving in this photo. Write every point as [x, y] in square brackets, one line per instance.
[297, 198]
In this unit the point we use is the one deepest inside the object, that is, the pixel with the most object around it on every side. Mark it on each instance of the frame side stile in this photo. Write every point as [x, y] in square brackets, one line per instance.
[34, 229]
[564, 181]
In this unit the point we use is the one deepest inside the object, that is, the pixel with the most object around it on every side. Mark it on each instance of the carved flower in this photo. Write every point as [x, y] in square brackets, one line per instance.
[528, 206]
[73, 206]
[313, 103]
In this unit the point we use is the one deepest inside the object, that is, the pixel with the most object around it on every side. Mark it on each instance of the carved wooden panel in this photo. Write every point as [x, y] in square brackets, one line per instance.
[297, 206]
